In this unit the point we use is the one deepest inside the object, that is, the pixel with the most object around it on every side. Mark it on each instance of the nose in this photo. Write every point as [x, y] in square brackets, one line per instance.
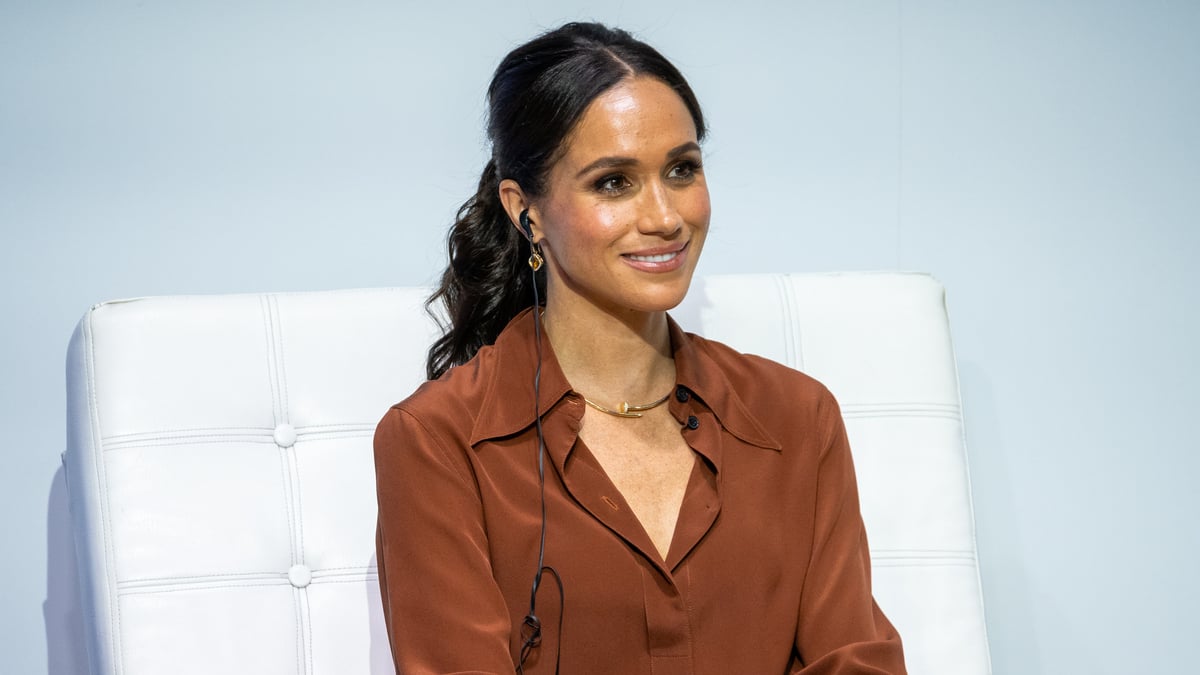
[658, 213]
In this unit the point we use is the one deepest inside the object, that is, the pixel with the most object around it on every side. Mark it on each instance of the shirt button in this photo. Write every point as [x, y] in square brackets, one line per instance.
[681, 394]
[693, 422]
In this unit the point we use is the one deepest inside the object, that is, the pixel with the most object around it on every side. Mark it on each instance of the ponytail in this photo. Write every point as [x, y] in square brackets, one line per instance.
[487, 282]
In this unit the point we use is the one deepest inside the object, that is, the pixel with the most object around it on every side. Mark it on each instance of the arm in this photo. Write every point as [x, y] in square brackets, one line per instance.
[841, 629]
[444, 611]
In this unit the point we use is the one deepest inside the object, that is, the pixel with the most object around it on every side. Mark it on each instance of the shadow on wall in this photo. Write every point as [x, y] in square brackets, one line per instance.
[62, 613]
[1012, 635]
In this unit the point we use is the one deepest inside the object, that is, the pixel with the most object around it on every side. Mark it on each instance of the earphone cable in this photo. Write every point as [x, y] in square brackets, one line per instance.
[533, 639]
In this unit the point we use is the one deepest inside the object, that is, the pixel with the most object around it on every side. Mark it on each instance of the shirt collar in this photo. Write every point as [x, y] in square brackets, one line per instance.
[508, 405]
[703, 377]
[508, 408]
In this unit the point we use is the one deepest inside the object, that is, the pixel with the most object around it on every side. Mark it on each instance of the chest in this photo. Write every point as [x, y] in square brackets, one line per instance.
[649, 464]
[726, 600]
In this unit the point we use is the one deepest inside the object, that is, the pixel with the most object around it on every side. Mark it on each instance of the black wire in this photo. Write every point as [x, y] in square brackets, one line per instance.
[533, 636]
[532, 627]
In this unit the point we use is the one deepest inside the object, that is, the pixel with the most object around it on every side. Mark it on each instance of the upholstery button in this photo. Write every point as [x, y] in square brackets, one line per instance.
[299, 576]
[681, 394]
[693, 422]
[285, 435]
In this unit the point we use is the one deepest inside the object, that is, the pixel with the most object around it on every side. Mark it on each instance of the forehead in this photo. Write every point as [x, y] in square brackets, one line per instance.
[638, 118]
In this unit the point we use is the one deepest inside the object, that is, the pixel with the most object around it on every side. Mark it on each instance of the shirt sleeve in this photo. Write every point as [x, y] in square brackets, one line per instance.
[443, 610]
[841, 629]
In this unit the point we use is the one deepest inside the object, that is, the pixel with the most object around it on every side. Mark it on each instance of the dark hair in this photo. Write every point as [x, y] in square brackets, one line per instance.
[537, 95]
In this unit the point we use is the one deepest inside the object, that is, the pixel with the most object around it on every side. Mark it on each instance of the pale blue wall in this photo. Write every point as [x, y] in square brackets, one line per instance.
[1041, 158]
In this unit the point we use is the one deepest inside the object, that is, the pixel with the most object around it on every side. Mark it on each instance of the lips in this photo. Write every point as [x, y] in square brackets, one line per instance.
[661, 259]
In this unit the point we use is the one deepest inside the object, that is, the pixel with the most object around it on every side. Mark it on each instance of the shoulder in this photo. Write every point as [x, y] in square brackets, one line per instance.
[461, 390]
[770, 390]
[445, 408]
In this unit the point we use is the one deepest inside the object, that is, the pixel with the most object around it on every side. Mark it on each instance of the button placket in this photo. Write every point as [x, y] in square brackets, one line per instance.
[667, 622]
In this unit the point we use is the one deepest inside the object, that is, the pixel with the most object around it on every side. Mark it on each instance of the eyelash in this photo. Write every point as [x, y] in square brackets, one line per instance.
[690, 165]
[604, 185]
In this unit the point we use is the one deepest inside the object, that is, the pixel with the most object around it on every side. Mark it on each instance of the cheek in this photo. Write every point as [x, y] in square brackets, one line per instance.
[607, 220]
[585, 225]
[696, 208]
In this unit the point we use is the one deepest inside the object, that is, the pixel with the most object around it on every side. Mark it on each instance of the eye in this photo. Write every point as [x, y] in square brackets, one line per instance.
[684, 171]
[612, 184]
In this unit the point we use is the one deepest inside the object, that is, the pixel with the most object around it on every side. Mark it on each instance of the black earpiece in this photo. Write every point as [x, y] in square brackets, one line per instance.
[525, 226]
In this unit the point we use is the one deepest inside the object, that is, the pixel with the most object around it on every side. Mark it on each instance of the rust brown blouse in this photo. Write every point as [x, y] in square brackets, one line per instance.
[768, 572]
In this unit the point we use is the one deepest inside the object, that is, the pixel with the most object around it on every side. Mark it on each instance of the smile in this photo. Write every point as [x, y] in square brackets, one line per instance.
[661, 257]
[658, 260]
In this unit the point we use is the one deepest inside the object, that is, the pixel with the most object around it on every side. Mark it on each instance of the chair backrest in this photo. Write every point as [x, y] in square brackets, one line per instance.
[220, 467]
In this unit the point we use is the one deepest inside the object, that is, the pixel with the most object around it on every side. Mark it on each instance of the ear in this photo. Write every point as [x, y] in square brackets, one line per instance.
[515, 201]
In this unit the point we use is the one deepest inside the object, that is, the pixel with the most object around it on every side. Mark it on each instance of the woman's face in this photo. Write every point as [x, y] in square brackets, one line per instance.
[625, 210]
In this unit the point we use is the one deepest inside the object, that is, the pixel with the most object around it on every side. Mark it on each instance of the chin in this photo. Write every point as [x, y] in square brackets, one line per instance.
[663, 299]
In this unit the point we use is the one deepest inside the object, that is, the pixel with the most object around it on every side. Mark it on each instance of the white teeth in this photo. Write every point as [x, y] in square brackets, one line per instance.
[661, 257]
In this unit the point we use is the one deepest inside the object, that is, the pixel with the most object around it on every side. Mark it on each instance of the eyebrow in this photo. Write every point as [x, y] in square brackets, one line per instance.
[612, 162]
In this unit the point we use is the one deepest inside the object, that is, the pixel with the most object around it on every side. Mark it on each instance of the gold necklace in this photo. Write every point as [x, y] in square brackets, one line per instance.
[627, 410]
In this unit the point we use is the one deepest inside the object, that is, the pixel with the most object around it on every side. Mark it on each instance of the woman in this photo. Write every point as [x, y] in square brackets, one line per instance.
[584, 487]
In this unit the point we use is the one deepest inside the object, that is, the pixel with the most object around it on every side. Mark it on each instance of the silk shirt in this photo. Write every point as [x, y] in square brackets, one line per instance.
[768, 571]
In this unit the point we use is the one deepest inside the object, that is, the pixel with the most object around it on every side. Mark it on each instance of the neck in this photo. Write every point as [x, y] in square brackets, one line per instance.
[612, 357]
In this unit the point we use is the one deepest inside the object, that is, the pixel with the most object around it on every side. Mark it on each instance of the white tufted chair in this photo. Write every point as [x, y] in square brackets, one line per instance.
[220, 467]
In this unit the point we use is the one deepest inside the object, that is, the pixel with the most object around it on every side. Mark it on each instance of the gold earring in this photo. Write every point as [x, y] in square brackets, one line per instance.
[535, 257]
